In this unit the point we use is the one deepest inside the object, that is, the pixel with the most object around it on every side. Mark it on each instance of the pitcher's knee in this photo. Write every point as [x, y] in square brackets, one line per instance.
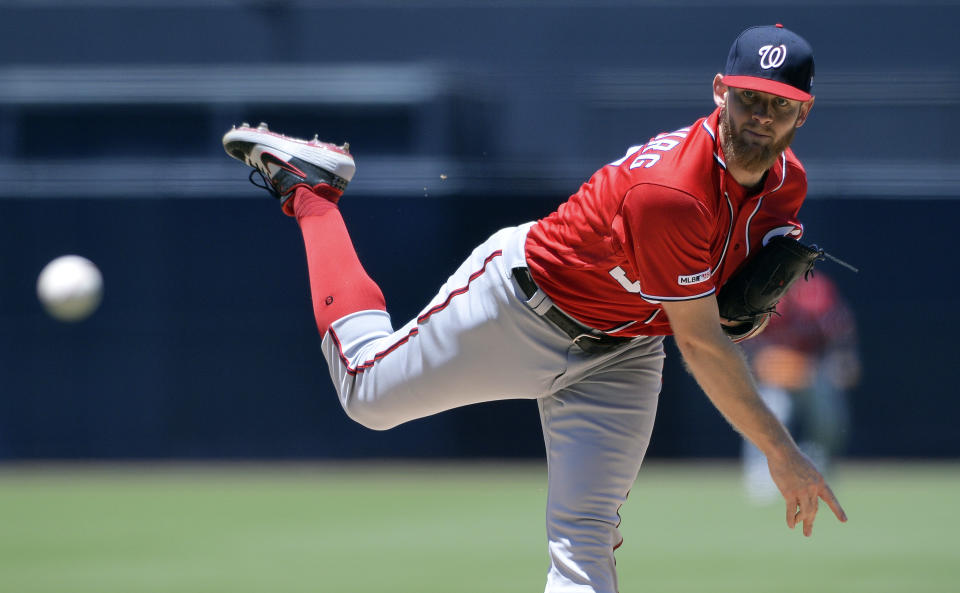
[592, 526]
[370, 414]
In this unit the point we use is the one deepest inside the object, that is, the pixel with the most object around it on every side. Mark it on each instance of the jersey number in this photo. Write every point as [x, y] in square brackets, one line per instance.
[620, 276]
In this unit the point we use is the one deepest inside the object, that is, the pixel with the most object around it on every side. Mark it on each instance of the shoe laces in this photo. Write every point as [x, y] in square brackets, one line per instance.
[266, 183]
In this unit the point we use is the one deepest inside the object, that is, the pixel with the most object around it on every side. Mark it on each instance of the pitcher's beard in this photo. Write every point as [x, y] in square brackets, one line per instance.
[754, 158]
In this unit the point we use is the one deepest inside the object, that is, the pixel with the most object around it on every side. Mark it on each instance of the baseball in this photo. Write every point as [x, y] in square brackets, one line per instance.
[70, 288]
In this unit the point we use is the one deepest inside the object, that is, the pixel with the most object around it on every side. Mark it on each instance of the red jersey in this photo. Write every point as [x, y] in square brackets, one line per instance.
[664, 223]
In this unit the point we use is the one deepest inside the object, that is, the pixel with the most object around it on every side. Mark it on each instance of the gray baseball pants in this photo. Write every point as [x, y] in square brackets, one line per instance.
[478, 341]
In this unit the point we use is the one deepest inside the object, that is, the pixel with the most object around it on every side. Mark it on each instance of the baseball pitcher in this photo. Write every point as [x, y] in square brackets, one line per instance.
[571, 310]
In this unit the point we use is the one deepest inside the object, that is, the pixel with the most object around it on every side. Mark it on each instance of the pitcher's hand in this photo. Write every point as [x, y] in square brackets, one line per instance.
[802, 487]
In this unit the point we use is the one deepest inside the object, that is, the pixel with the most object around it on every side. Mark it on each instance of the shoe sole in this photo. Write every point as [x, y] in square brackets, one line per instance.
[241, 143]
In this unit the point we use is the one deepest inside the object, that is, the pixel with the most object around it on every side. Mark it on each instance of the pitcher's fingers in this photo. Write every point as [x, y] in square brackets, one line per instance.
[813, 504]
[808, 525]
[807, 512]
[792, 513]
[827, 495]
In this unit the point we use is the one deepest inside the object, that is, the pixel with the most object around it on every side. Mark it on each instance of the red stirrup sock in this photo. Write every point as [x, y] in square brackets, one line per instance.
[338, 283]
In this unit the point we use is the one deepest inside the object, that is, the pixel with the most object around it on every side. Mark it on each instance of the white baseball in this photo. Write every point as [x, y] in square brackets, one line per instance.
[70, 288]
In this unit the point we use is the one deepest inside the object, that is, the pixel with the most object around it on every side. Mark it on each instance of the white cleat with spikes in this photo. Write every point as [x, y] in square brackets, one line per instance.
[290, 163]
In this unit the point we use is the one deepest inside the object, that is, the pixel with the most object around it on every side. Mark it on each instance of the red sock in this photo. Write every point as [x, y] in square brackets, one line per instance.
[338, 283]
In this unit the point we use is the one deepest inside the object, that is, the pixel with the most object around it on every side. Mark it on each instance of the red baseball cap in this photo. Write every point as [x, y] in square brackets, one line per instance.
[771, 59]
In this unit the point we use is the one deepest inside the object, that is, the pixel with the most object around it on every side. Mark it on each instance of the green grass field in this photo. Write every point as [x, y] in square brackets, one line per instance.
[373, 528]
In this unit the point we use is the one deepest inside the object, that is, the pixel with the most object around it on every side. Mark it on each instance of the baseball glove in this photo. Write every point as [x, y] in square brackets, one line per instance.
[750, 296]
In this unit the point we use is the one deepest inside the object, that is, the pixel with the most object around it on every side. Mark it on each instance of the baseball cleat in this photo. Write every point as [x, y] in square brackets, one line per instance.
[286, 164]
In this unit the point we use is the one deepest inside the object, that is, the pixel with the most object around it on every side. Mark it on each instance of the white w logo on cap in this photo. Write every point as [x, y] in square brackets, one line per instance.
[772, 57]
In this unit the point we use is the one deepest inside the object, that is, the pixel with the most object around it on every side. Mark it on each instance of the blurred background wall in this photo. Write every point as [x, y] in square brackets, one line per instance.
[464, 117]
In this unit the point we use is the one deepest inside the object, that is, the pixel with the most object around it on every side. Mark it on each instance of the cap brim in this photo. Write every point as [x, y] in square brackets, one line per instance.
[765, 85]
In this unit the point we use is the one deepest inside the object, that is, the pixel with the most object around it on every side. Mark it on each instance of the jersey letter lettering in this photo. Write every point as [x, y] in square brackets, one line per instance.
[649, 159]
[661, 143]
[630, 152]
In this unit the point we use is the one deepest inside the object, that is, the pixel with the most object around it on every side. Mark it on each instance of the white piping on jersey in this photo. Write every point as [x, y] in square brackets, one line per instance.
[658, 299]
[783, 166]
[783, 178]
[780, 231]
[629, 323]
[709, 131]
[619, 328]
[747, 229]
[714, 136]
[726, 244]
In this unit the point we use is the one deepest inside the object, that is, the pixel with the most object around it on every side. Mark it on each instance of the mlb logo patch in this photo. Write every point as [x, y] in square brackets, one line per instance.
[694, 278]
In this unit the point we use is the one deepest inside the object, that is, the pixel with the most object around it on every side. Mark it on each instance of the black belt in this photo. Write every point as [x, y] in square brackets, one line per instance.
[588, 339]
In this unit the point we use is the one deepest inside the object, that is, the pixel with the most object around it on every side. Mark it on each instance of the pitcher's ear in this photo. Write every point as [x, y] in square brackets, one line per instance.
[719, 90]
[805, 108]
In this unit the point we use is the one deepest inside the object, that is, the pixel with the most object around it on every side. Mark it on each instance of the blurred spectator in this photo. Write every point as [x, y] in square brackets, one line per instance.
[804, 363]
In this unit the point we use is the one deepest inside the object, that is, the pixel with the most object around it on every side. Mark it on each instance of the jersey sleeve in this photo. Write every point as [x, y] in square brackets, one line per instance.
[668, 236]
